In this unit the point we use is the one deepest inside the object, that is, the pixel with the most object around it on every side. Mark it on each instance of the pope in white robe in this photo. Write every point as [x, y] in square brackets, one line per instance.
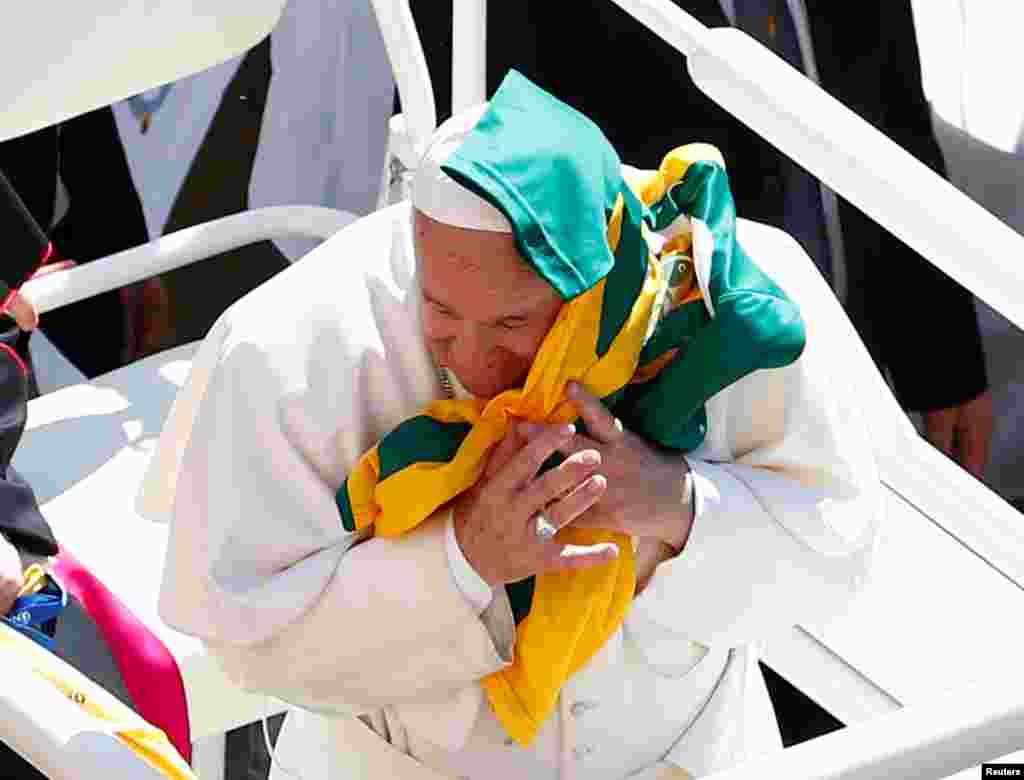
[381, 643]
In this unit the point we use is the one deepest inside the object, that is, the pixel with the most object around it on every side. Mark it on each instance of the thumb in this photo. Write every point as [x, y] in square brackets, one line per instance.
[23, 312]
[504, 452]
[976, 434]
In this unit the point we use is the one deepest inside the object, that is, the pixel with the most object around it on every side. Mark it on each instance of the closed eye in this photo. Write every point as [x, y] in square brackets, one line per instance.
[441, 309]
[513, 323]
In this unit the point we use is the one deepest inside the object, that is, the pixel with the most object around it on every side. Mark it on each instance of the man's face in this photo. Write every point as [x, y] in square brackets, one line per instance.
[485, 311]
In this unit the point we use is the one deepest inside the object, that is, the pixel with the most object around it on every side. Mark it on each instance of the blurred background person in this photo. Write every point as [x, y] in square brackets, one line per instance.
[324, 130]
[866, 56]
[74, 179]
[966, 47]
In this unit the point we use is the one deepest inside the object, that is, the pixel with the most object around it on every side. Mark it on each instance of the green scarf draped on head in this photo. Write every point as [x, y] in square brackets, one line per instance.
[653, 324]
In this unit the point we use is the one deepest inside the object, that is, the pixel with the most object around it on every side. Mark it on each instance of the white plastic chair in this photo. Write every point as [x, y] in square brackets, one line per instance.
[964, 542]
[61, 738]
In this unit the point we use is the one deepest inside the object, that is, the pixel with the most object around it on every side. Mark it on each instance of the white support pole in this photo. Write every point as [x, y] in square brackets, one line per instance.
[847, 153]
[409, 65]
[469, 53]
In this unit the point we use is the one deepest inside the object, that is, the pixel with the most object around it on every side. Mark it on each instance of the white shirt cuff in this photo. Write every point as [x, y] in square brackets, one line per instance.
[473, 587]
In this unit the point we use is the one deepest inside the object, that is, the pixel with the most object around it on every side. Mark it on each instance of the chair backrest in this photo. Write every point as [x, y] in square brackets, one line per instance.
[68, 58]
[411, 130]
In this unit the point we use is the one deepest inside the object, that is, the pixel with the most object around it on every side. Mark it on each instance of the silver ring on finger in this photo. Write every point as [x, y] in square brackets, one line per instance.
[543, 528]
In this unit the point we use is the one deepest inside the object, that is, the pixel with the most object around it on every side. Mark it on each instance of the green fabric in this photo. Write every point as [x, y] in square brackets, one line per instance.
[553, 174]
[626, 277]
[557, 179]
[418, 439]
[520, 597]
[348, 518]
[755, 326]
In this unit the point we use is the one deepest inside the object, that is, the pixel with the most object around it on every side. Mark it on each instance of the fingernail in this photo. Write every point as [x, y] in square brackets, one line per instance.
[596, 482]
[567, 430]
[590, 457]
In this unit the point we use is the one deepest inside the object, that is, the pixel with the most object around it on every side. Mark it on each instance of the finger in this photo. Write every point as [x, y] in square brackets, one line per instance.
[574, 556]
[562, 479]
[974, 449]
[573, 445]
[24, 312]
[601, 424]
[568, 508]
[503, 453]
[8, 595]
[524, 466]
[939, 429]
[51, 268]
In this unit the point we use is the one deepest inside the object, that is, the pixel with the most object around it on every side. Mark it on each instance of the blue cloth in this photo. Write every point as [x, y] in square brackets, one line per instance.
[35, 615]
[803, 215]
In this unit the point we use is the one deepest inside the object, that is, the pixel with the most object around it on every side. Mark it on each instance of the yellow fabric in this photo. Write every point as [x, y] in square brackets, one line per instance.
[111, 716]
[34, 580]
[572, 613]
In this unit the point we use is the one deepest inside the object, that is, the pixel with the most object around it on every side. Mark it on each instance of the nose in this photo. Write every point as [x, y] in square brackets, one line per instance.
[471, 347]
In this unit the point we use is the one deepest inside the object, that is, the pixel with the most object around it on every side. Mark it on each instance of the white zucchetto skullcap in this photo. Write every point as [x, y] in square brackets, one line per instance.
[439, 196]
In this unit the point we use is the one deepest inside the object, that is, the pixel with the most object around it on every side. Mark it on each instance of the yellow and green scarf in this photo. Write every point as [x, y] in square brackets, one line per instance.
[635, 329]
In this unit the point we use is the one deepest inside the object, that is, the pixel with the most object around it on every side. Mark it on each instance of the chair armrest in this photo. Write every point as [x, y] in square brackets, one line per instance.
[182, 248]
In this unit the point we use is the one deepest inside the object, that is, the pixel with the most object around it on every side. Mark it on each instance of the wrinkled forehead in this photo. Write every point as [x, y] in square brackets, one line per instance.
[451, 247]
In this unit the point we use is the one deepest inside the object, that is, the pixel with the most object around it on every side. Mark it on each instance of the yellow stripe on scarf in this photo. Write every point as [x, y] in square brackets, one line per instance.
[573, 613]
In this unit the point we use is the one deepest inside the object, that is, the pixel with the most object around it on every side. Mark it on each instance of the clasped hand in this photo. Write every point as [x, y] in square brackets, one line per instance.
[610, 479]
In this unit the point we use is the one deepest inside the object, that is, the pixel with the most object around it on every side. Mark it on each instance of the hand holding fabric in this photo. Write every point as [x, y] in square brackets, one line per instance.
[494, 521]
[644, 493]
[22, 309]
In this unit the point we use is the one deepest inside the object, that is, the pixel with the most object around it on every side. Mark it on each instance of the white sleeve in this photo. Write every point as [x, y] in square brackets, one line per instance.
[783, 533]
[476, 590]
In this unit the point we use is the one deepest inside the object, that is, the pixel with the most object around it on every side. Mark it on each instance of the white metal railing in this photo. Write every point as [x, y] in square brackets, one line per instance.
[957, 731]
[182, 248]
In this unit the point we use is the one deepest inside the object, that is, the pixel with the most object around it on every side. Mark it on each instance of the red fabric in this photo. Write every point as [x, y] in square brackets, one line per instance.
[150, 672]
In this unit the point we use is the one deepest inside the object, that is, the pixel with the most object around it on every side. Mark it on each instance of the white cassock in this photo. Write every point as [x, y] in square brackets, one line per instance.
[324, 131]
[278, 409]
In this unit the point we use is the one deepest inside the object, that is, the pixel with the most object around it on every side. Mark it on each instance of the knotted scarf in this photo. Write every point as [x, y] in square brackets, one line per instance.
[654, 335]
